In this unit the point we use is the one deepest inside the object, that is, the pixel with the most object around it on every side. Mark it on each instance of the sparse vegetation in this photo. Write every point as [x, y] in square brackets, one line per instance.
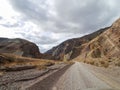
[118, 63]
[9, 60]
[104, 63]
[97, 62]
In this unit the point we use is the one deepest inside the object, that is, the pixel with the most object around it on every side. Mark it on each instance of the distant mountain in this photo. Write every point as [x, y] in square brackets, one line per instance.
[71, 48]
[19, 47]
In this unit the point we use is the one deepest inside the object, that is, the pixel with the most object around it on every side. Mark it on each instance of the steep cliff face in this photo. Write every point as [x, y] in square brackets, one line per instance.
[19, 47]
[71, 48]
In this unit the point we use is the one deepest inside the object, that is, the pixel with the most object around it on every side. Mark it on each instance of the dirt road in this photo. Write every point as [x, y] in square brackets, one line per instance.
[77, 77]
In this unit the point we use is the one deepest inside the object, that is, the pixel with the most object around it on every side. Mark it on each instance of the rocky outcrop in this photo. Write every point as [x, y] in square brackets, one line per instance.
[19, 47]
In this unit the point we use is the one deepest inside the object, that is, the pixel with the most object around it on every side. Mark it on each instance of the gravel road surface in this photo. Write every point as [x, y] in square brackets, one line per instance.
[80, 77]
[48, 82]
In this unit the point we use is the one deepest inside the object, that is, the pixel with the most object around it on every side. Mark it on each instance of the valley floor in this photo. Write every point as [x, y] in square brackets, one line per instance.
[78, 76]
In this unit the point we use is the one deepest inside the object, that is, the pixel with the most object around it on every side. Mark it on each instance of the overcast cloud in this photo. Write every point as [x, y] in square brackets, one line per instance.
[49, 22]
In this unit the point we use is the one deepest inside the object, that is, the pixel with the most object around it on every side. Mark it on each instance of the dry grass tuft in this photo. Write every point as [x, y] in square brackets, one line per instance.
[100, 62]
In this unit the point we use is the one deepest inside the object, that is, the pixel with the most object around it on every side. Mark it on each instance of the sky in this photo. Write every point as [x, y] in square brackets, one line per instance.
[50, 22]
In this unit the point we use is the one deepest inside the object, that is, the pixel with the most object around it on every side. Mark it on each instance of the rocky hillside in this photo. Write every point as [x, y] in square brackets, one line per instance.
[19, 47]
[72, 48]
[105, 46]
[101, 45]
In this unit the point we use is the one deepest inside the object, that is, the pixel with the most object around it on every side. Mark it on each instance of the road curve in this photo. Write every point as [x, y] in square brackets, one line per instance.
[79, 77]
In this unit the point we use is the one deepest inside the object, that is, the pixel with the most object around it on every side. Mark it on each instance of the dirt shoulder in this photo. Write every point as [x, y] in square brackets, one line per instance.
[17, 80]
[49, 82]
[110, 75]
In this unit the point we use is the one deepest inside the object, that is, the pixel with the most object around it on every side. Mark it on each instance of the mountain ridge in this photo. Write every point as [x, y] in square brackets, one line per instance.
[99, 48]
[105, 48]
[65, 47]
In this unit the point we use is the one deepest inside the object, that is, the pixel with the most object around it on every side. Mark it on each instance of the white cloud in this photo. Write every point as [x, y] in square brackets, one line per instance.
[49, 22]
[6, 9]
[4, 32]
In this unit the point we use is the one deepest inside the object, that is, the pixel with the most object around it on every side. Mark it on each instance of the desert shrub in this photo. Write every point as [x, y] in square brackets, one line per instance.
[91, 62]
[96, 64]
[104, 63]
[84, 61]
[118, 63]
[87, 62]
